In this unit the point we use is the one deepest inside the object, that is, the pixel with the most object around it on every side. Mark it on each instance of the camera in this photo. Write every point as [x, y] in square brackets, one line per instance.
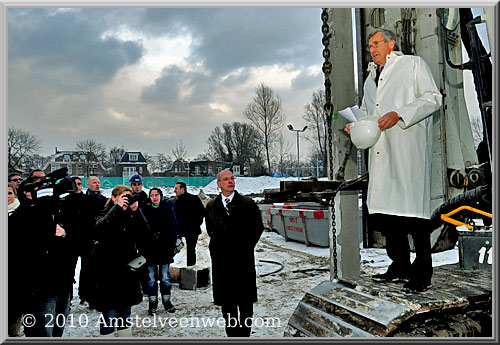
[132, 198]
[54, 184]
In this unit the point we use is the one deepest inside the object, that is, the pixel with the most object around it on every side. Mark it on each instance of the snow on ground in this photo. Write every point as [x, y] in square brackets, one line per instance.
[278, 293]
[250, 185]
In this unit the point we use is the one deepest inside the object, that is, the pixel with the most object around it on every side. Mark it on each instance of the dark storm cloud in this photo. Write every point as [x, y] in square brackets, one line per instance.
[68, 45]
[306, 81]
[169, 88]
[225, 40]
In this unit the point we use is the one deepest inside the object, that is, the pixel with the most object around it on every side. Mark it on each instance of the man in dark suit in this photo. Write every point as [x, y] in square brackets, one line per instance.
[189, 211]
[234, 224]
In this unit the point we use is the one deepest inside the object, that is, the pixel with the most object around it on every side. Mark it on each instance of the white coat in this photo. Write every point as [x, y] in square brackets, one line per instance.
[399, 164]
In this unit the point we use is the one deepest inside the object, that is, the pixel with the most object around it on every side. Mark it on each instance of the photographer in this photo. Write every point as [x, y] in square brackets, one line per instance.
[40, 270]
[120, 233]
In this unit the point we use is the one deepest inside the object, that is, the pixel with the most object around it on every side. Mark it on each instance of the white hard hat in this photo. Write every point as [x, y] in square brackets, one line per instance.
[365, 132]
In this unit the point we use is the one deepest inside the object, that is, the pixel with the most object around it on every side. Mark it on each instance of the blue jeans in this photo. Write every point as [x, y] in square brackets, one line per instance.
[51, 313]
[112, 319]
[151, 287]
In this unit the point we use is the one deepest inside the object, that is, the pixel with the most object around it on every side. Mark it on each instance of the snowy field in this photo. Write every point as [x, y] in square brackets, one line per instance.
[278, 293]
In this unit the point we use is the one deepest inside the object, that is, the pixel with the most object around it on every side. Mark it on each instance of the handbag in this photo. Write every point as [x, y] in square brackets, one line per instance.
[178, 246]
[136, 263]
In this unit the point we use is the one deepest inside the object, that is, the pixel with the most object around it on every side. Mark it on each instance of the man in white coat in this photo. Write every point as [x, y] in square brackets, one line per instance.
[401, 91]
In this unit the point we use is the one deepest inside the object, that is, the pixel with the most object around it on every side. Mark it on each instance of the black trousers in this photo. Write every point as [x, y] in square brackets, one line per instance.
[396, 230]
[86, 277]
[238, 325]
[191, 241]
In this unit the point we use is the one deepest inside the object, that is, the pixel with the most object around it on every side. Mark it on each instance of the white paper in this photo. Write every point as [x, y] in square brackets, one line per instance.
[352, 114]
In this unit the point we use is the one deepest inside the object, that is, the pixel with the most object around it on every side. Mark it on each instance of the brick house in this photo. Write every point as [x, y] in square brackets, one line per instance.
[177, 168]
[133, 163]
[205, 168]
[79, 163]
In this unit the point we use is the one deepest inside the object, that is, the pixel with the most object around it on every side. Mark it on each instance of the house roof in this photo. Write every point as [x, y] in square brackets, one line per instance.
[171, 165]
[140, 158]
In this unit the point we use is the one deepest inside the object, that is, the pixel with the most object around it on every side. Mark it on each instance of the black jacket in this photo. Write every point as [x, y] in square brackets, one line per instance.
[160, 244]
[232, 242]
[120, 238]
[190, 212]
[98, 201]
[143, 199]
[79, 218]
[40, 263]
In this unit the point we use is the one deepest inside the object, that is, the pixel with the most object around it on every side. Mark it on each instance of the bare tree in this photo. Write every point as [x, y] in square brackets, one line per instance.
[282, 148]
[180, 151]
[21, 146]
[217, 145]
[265, 114]
[313, 160]
[113, 160]
[246, 143]
[38, 162]
[160, 162]
[235, 142]
[316, 118]
[95, 152]
[205, 156]
[92, 146]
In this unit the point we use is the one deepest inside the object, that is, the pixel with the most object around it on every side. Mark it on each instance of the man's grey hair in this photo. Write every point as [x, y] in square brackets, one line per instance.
[388, 35]
[218, 175]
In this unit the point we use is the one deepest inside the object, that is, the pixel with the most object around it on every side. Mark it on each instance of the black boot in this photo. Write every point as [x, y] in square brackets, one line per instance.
[153, 304]
[167, 304]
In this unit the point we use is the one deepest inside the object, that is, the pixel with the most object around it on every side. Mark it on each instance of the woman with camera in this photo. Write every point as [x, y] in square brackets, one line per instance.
[120, 234]
[159, 249]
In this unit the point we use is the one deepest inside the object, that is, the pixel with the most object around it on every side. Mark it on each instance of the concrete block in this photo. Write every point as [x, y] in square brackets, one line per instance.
[193, 277]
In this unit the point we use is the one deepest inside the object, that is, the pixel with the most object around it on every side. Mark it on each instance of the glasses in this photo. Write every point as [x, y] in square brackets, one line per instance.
[374, 44]
[16, 179]
[78, 184]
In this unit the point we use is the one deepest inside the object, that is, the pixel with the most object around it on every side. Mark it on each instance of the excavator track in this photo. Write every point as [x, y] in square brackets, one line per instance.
[359, 307]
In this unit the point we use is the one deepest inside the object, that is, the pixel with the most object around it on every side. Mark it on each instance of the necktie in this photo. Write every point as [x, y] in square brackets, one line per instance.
[227, 200]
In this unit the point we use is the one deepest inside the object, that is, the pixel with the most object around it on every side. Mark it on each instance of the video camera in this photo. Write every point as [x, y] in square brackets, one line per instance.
[132, 198]
[55, 183]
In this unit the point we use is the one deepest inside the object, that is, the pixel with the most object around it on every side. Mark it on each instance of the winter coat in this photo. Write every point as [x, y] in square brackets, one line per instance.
[120, 236]
[98, 201]
[40, 263]
[232, 242]
[160, 244]
[78, 216]
[400, 162]
[190, 212]
[143, 199]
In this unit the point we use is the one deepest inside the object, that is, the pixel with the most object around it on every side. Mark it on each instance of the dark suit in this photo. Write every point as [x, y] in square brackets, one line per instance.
[232, 241]
[190, 212]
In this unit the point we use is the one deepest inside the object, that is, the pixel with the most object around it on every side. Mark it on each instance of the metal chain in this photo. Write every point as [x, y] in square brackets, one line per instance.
[327, 69]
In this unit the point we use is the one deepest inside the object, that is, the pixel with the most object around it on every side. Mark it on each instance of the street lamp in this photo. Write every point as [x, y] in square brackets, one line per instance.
[290, 127]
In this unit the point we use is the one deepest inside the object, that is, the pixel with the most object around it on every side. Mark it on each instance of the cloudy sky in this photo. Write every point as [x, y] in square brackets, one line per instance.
[150, 77]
